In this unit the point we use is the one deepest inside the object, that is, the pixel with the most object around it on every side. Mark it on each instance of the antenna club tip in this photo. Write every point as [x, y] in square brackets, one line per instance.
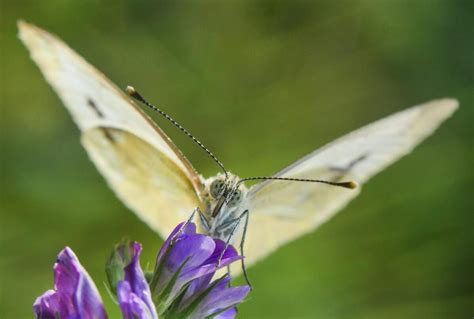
[348, 184]
[352, 185]
[130, 90]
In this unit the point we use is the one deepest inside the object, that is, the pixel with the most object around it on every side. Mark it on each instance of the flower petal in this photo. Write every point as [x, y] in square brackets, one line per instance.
[228, 314]
[221, 297]
[230, 255]
[48, 306]
[75, 285]
[204, 274]
[135, 277]
[196, 287]
[180, 231]
[193, 250]
[132, 306]
[209, 267]
[75, 294]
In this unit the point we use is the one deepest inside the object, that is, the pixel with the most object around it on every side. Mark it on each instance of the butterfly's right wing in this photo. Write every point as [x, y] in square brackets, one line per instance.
[281, 211]
[140, 163]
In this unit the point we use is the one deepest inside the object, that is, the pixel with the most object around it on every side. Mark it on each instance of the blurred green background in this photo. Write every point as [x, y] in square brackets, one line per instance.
[261, 83]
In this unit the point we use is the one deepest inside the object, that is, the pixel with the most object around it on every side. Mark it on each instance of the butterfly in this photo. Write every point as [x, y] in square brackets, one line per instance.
[155, 180]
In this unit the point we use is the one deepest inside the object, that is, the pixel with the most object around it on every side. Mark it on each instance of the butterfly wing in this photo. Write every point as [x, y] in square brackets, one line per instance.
[140, 163]
[282, 211]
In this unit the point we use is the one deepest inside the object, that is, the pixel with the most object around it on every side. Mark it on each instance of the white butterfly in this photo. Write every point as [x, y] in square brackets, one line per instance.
[156, 181]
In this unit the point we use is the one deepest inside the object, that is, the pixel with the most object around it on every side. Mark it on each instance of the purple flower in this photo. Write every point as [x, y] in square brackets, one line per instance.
[181, 285]
[185, 266]
[186, 256]
[133, 292]
[74, 294]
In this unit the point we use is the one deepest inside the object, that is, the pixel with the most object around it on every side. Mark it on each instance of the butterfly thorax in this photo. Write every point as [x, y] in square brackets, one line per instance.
[225, 199]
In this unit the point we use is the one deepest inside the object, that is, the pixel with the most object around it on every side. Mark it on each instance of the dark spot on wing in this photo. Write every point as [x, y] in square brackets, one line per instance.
[95, 108]
[108, 135]
[348, 167]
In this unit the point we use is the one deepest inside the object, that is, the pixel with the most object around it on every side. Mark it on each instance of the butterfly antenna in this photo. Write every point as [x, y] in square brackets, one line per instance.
[133, 93]
[349, 184]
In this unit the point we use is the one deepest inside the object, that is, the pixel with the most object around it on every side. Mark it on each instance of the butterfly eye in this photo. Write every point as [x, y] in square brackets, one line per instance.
[235, 198]
[216, 187]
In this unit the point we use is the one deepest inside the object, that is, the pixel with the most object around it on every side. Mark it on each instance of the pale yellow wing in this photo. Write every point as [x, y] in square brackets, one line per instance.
[283, 211]
[140, 163]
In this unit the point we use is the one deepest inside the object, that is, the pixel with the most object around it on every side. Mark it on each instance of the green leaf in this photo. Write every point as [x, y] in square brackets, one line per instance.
[120, 257]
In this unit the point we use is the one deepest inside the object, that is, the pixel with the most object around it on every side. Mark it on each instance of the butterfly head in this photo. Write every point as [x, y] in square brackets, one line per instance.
[226, 192]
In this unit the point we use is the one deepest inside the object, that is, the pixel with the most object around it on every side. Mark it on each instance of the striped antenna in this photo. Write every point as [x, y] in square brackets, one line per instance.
[348, 184]
[133, 93]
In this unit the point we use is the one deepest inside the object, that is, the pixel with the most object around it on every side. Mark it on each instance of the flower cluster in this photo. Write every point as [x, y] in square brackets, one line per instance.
[181, 285]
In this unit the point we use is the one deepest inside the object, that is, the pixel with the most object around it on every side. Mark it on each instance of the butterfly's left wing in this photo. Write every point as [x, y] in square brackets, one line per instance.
[138, 160]
[281, 211]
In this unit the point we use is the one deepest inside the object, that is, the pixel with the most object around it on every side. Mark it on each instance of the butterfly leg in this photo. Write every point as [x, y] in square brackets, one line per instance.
[242, 243]
[190, 219]
[236, 222]
[204, 221]
[229, 274]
